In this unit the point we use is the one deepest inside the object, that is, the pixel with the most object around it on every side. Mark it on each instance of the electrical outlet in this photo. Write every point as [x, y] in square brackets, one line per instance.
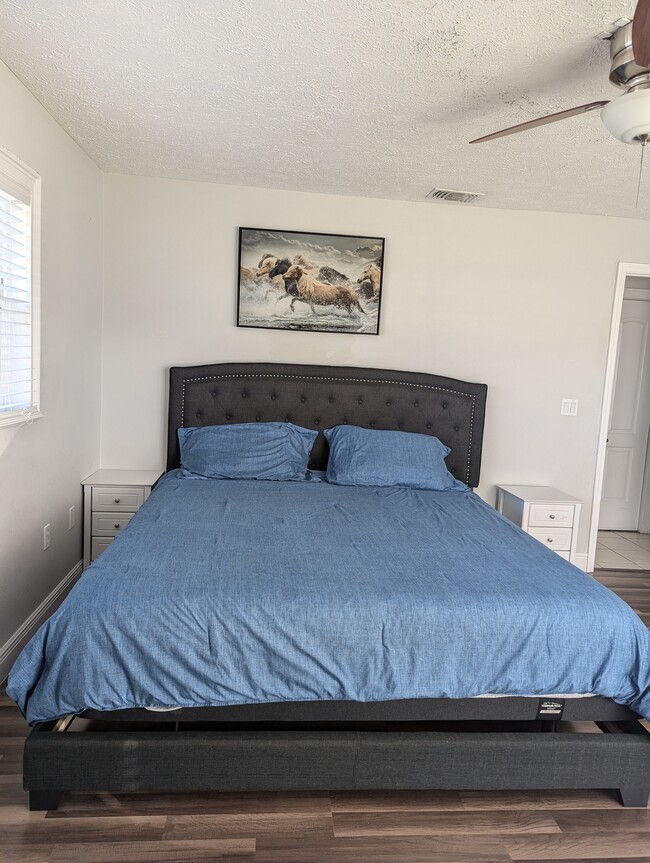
[46, 537]
[72, 517]
[569, 408]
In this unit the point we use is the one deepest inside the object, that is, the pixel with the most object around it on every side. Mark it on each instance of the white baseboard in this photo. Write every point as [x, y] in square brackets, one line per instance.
[10, 650]
[581, 561]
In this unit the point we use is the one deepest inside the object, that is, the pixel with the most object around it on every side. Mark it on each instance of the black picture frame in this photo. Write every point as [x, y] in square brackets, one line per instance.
[337, 287]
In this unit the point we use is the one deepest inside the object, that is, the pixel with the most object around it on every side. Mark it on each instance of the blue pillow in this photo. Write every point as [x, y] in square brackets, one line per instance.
[278, 451]
[361, 456]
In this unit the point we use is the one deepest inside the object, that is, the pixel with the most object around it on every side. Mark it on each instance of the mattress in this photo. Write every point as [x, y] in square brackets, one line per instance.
[557, 695]
[225, 592]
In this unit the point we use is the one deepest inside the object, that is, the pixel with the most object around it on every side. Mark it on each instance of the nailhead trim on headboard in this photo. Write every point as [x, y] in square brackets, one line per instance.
[334, 394]
[342, 380]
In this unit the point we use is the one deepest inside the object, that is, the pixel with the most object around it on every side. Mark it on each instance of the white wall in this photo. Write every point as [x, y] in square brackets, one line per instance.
[519, 300]
[41, 465]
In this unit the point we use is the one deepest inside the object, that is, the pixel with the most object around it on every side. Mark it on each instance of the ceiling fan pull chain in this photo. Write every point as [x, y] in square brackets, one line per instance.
[638, 187]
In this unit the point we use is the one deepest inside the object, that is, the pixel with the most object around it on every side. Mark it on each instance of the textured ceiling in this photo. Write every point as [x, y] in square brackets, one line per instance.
[363, 97]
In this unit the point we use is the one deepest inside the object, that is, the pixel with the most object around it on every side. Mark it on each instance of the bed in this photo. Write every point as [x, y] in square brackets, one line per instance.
[259, 635]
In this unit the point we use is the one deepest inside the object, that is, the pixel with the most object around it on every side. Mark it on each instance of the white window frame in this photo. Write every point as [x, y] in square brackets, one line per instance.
[18, 179]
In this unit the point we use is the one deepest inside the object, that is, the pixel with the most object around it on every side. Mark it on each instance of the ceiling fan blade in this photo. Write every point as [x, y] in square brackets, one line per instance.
[641, 33]
[542, 121]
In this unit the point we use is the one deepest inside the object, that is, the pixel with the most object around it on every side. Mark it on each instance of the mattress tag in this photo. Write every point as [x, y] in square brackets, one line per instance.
[550, 708]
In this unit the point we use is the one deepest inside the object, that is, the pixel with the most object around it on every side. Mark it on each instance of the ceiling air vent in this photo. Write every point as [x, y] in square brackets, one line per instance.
[453, 195]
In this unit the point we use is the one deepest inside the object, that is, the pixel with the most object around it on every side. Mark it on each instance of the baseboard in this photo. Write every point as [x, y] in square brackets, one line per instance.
[581, 561]
[10, 650]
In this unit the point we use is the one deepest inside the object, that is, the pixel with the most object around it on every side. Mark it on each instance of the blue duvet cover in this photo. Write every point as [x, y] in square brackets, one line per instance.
[227, 592]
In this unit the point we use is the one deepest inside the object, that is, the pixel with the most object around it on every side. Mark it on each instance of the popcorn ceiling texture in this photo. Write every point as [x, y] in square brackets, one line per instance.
[354, 97]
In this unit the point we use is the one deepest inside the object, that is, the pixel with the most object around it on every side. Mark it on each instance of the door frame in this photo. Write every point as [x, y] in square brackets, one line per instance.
[624, 270]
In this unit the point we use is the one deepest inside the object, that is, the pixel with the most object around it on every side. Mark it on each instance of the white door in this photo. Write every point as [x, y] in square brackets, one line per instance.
[629, 424]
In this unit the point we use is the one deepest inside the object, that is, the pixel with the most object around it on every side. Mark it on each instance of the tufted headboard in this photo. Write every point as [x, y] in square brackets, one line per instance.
[318, 397]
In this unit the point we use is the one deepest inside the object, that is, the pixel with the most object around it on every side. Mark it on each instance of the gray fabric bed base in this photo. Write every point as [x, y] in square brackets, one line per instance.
[276, 759]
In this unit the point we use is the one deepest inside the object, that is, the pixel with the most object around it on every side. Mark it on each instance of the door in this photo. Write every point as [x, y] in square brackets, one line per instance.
[627, 440]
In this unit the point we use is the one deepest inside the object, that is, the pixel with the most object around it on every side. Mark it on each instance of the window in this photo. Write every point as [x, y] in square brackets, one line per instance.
[19, 292]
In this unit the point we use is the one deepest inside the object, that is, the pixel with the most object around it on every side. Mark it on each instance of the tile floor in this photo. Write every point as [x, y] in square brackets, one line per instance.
[622, 550]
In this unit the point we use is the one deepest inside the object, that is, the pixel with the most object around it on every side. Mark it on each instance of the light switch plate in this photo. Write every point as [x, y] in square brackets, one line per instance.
[569, 408]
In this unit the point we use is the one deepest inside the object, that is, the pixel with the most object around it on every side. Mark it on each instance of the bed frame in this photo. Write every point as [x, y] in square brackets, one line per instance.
[476, 743]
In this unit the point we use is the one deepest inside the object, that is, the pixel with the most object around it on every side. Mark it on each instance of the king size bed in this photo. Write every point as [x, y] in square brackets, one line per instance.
[247, 634]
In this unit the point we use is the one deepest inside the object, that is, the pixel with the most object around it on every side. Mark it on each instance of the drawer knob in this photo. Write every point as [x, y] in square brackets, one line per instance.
[116, 526]
[549, 539]
[551, 515]
[117, 500]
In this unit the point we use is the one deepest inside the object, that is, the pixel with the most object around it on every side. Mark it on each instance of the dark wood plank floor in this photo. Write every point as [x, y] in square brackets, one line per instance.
[405, 827]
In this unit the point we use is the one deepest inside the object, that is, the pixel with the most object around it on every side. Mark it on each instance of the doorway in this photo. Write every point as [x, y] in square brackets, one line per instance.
[621, 516]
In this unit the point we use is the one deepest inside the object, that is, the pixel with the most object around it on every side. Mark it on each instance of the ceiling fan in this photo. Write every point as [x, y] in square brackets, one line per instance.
[627, 117]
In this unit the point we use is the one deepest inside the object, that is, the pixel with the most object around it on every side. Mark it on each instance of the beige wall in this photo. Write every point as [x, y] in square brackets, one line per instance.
[41, 465]
[519, 300]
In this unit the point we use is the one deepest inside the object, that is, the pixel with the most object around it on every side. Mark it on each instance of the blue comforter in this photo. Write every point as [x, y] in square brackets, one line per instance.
[231, 592]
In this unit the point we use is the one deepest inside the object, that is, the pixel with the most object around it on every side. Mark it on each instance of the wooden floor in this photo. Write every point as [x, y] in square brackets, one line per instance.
[407, 827]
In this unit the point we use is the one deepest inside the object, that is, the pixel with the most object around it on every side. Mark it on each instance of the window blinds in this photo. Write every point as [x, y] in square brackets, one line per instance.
[17, 384]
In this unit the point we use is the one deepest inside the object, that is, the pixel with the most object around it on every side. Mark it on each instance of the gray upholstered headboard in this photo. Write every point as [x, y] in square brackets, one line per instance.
[318, 397]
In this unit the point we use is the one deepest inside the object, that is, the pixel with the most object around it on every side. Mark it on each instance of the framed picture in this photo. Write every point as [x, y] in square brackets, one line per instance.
[295, 280]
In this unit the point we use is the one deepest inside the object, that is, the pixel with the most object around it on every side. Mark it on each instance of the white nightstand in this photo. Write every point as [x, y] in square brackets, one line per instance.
[111, 497]
[551, 516]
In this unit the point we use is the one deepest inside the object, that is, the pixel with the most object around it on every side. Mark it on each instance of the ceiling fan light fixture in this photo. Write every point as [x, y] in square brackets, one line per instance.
[628, 117]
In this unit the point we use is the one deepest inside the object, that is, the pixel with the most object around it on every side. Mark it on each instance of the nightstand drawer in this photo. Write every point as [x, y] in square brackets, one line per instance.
[557, 538]
[109, 523]
[98, 544]
[116, 499]
[565, 554]
[552, 515]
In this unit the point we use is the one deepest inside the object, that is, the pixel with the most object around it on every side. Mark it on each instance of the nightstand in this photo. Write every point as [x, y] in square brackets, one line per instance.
[111, 499]
[546, 513]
